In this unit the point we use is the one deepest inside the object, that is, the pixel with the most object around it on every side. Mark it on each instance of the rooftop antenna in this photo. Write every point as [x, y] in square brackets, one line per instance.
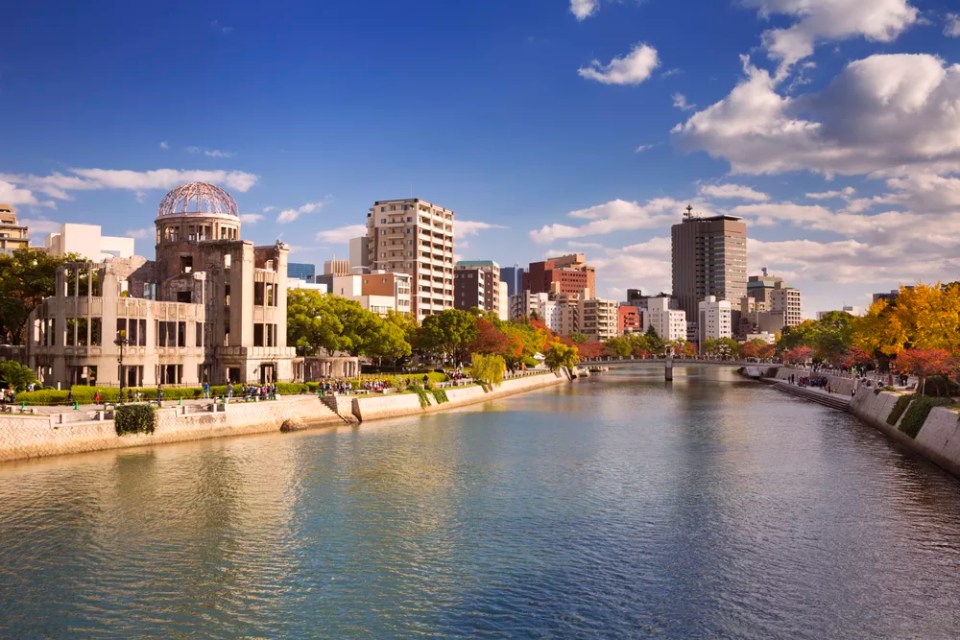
[764, 270]
[689, 214]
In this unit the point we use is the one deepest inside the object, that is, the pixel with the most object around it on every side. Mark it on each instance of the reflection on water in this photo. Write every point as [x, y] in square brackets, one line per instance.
[619, 506]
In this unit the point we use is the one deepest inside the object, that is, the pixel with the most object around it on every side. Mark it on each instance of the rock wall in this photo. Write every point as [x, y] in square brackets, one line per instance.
[36, 436]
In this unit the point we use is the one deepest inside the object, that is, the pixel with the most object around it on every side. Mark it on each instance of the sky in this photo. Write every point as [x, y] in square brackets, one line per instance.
[832, 127]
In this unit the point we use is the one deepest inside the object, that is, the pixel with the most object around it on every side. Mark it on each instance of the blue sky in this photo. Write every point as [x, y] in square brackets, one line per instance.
[549, 126]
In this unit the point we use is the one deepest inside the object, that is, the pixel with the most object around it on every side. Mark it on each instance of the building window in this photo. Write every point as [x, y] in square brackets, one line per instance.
[199, 330]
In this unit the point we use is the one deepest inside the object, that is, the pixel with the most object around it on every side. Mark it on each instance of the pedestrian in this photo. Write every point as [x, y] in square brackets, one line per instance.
[159, 396]
[70, 396]
[206, 390]
[97, 398]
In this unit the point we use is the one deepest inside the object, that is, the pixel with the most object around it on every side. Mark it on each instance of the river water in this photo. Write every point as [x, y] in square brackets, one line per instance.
[614, 507]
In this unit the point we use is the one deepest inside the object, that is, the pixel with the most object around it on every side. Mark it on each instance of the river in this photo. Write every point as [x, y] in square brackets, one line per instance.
[618, 506]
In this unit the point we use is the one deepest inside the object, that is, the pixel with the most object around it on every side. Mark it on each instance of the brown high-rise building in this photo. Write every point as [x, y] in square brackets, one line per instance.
[570, 275]
[709, 259]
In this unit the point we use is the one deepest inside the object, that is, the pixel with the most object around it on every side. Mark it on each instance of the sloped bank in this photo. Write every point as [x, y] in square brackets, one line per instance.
[938, 440]
[34, 436]
[366, 408]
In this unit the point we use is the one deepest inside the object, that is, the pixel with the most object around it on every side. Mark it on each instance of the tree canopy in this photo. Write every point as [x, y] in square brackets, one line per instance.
[28, 276]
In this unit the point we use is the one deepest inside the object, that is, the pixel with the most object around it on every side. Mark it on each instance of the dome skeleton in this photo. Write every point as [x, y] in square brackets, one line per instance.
[197, 198]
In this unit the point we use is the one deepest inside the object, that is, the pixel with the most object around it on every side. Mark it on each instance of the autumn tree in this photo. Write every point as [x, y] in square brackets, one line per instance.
[561, 355]
[926, 363]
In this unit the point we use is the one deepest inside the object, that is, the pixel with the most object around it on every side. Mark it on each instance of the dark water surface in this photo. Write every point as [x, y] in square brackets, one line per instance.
[616, 507]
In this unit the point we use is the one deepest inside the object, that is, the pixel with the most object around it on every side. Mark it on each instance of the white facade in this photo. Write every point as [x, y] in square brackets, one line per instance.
[715, 319]
[670, 324]
[86, 240]
[598, 318]
[300, 283]
[503, 310]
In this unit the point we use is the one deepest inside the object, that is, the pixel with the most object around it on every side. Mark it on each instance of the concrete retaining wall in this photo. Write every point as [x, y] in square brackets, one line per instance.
[838, 384]
[367, 408]
[938, 440]
[31, 437]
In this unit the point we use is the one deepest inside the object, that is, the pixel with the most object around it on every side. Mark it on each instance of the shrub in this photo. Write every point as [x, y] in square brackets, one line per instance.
[422, 394]
[441, 396]
[899, 408]
[488, 368]
[135, 418]
[292, 388]
[918, 412]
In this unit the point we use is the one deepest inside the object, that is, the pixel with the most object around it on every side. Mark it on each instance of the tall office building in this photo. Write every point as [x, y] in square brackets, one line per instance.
[301, 271]
[415, 237]
[336, 267]
[771, 294]
[513, 276]
[709, 259]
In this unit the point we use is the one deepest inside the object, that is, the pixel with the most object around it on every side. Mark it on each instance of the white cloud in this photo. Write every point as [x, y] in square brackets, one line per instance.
[464, 228]
[140, 234]
[14, 195]
[341, 235]
[211, 153]
[885, 115]
[164, 145]
[680, 102]
[41, 226]
[583, 9]
[58, 185]
[289, 215]
[633, 68]
[951, 28]
[610, 217]
[251, 218]
[737, 191]
[847, 192]
[820, 21]
[643, 147]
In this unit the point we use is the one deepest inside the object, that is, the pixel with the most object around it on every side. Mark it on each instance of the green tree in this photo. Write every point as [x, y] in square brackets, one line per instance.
[621, 346]
[447, 335]
[317, 321]
[560, 355]
[13, 374]
[578, 338]
[387, 339]
[488, 368]
[654, 341]
[27, 276]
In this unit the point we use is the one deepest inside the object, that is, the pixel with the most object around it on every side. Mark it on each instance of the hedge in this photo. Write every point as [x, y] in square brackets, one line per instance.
[918, 412]
[135, 418]
[898, 409]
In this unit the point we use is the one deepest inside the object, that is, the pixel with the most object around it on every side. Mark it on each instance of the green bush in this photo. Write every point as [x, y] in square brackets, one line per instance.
[292, 388]
[422, 394]
[135, 418]
[441, 396]
[899, 408]
[918, 412]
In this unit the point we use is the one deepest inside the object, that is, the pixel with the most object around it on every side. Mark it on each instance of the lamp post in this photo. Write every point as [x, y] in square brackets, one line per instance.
[120, 341]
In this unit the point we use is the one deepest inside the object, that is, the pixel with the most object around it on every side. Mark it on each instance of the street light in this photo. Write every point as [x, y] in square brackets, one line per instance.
[120, 341]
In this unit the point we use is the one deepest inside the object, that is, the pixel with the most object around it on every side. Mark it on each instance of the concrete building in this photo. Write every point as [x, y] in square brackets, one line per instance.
[513, 276]
[670, 324]
[598, 318]
[714, 320]
[210, 308]
[503, 311]
[528, 305]
[772, 294]
[569, 275]
[301, 271]
[709, 257]
[469, 288]
[13, 235]
[415, 237]
[629, 319]
[490, 300]
[336, 267]
[359, 254]
[86, 240]
[377, 292]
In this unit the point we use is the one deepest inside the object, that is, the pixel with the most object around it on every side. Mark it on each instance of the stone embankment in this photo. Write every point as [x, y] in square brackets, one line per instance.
[47, 434]
[937, 441]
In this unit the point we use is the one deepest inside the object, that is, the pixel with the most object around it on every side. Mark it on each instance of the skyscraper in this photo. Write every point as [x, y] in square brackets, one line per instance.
[513, 276]
[709, 259]
[415, 237]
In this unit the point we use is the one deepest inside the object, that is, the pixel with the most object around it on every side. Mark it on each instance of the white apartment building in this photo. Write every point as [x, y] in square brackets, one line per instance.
[415, 237]
[598, 318]
[87, 240]
[503, 309]
[377, 292]
[715, 319]
[670, 324]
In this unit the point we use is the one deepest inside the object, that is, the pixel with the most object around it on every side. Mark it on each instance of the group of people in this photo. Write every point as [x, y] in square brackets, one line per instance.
[820, 382]
[251, 392]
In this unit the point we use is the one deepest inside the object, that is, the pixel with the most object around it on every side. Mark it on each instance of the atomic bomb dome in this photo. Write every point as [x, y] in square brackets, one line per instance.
[197, 198]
